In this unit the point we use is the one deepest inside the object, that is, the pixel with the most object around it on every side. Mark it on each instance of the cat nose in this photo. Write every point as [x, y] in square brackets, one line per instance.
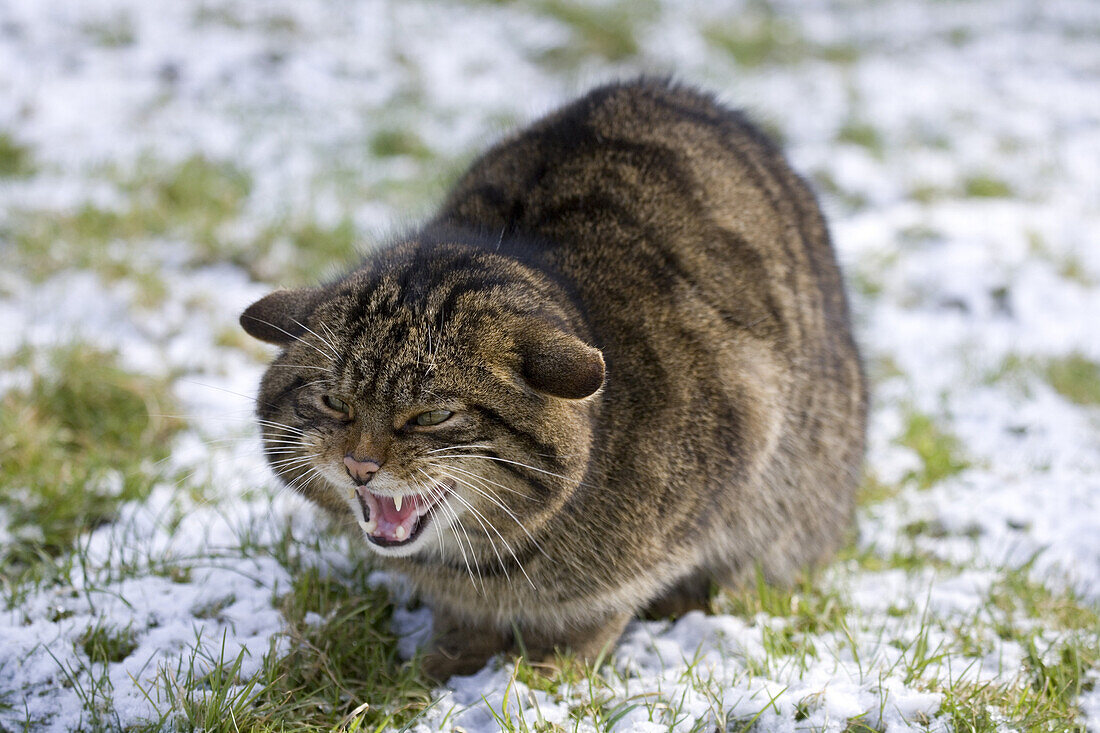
[360, 471]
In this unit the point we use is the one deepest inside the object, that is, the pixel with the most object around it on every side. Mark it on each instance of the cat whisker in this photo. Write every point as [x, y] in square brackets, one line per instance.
[291, 335]
[456, 447]
[290, 463]
[488, 495]
[524, 465]
[452, 467]
[279, 442]
[479, 516]
[282, 426]
[436, 497]
[507, 546]
[326, 344]
[485, 527]
[458, 540]
[252, 398]
[302, 366]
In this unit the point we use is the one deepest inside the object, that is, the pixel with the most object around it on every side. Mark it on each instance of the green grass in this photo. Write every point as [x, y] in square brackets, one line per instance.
[1059, 634]
[939, 451]
[115, 32]
[341, 667]
[985, 186]
[809, 606]
[827, 184]
[76, 442]
[390, 142]
[604, 31]
[1076, 378]
[192, 202]
[15, 159]
[105, 643]
[863, 135]
[761, 37]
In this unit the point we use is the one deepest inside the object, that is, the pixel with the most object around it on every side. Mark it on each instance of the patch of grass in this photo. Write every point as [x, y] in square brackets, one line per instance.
[1076, 378]
[1068, 265]
[1042, 699]
[864, 283]
[1060, 637]
[1072, 269]
[807, 606]
[1017, 594]
[758, 40]
[114, 32]
[864, 135]
[761, 37]
[827, 184]
[108, 644]
[984, 186]
[959, 36]
[190, 201]
[82, 438]
[309, 251]
[939, 451]
[392, 142]
[919, 235]
[198, 191]
[342, 655]
[605, 31]
[206, 692]
[874, 491]
[928, 194]
[15, 159]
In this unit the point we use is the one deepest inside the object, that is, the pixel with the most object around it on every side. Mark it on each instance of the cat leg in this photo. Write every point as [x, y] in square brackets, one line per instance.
[588, 643]
[688, 594]
[461, 647]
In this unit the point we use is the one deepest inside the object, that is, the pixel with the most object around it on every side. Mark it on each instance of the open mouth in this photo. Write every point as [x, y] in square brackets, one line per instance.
[392, 521]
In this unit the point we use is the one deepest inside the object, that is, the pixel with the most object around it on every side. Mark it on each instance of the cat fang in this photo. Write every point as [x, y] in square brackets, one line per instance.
[391, 522]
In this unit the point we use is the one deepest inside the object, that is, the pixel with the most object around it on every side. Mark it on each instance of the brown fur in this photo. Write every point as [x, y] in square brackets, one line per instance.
[634, 302]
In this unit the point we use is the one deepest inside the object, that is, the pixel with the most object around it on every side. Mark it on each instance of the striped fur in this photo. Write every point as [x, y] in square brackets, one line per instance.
[726, 433]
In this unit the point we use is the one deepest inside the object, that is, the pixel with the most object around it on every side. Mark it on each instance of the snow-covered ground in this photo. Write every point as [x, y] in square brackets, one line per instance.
[956, 147]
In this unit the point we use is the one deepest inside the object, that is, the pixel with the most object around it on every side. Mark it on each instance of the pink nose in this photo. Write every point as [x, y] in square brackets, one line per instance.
[360, 471]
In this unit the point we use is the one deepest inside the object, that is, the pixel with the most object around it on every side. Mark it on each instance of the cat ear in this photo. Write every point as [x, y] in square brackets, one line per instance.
[560, 364]
[277, 318]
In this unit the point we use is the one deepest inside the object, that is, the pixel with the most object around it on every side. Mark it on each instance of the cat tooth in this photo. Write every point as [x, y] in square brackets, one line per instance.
[368, 527]
[397, 500]
[400, 533]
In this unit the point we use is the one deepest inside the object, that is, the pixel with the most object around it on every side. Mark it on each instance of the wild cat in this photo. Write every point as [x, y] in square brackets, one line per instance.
[616, 368]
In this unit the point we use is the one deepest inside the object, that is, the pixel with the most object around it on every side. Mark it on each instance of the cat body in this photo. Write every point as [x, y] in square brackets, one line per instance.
[614, 369]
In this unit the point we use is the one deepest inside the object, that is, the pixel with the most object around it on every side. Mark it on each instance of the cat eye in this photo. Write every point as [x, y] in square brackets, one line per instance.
[336, 405]
[432, 417]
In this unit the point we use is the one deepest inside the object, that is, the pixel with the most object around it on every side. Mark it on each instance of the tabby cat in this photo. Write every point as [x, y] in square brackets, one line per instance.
[615, 369]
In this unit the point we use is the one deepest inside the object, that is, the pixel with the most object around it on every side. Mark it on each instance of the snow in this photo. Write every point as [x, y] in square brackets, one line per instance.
[291, 91]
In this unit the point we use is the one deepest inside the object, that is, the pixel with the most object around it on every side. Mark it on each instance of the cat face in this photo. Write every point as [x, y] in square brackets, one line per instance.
[434, 399]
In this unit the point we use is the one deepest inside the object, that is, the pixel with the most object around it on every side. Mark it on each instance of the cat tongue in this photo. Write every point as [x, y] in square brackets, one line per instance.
[388, 522]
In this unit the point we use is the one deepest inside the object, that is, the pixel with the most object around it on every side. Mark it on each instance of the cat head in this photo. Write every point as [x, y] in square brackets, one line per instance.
[440, 396]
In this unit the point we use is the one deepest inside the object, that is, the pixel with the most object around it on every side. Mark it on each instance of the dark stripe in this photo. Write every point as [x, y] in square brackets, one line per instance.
[543, 450]
[294, 384]
[398, 374]
[733, 125]
[476, 283]
[526, 474]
